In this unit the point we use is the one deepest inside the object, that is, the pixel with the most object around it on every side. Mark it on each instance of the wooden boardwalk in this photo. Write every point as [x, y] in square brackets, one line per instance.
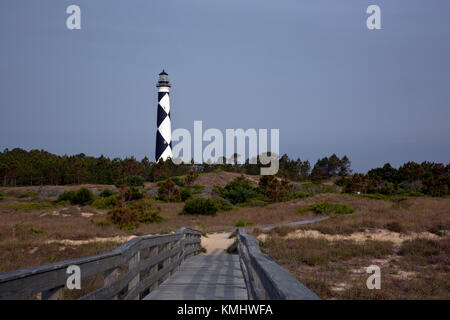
[213, 276]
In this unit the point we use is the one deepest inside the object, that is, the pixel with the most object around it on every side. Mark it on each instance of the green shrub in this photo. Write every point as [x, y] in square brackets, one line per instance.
[106, 193]
[36, 230]
[239, 191]
[179, 180]
[168, 191]
[105, 203]
[134, 181]
[328, 207]
[130, 217]
[197, 189]
[242, 223]
[200, 206]
[2, 195]
[67, 196]
[222, 204]
[133, 193]
[146, 213]
[185, 193]
[83, 196]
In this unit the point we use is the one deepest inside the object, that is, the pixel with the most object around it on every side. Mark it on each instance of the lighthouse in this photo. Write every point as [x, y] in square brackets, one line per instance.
[164, 131]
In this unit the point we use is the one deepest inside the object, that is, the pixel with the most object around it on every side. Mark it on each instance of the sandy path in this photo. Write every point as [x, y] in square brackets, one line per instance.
[378, 235]
[118, 239]
[216, 243]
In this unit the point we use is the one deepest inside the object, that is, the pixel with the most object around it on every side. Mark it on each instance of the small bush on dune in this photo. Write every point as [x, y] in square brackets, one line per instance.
[105, 203]
[242, 223]
[168, 191]
[133, 193]
[129, 217]
[106, 193]
[185, 194]
[131, 181]
[239, 190]
[179, 180]
[200, 206]
[82, 197]
[134, 181]
[37, 230]
[222, 204]
[328, 207]
[67, 196]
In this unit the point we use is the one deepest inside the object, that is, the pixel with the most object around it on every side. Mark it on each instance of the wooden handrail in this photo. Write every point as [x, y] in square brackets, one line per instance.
[166, 253]
[265, 279]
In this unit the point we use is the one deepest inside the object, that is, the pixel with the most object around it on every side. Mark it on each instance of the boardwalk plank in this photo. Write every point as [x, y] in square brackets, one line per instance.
[212, 277]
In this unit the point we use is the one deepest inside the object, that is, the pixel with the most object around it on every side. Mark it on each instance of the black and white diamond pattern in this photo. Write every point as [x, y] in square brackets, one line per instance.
[164, 132]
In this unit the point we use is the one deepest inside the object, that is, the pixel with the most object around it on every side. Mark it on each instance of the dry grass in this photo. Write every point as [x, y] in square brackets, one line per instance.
[18, 241]
[405, 215]
[411, 246]
[337, 270]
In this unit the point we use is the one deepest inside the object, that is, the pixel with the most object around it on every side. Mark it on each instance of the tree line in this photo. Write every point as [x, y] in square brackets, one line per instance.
[19, 167]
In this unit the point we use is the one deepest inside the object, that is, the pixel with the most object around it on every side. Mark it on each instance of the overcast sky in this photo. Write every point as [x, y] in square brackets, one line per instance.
[310, 68]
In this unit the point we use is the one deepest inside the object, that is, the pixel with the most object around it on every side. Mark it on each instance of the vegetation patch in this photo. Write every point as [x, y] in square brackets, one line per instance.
[200, 206]
[101, 223]
[131, 181]
[105, 203]
[81, 197]
[37, 230]
[168, 191]
[328, 207]
[221, 204]
[106, 193]
[239, 190]
[278, 190]
[242, 223]
[29, 206]
[129, 217]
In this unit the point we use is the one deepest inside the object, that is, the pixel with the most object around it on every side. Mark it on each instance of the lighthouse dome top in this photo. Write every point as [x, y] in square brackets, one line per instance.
[163, 80]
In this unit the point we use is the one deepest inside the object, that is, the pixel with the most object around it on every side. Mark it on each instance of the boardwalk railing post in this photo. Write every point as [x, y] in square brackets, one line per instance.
[109, 277]
[154, 269]
[134, 264]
